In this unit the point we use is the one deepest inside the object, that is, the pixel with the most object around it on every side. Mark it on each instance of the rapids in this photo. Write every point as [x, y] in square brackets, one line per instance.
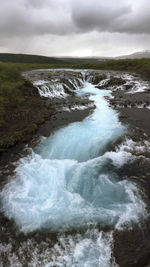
[69, 182]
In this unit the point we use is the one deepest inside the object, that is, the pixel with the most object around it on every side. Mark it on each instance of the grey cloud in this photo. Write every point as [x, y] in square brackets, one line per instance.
[35, 3]
[41, 4]
[139, 20]
[32, 17]
[62, 17]
[83, 25]
[112, 16]
[101, 16]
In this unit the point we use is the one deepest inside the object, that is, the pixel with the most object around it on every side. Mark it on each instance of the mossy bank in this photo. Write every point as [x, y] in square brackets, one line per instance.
[21, 108]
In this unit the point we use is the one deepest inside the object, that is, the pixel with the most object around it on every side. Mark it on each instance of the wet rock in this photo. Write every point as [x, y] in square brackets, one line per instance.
[97, 78]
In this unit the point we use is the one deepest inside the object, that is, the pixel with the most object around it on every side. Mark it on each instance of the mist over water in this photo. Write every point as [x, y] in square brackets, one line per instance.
[69, 182]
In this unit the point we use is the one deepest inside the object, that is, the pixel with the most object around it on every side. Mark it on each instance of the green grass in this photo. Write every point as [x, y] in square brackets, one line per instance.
[141, 66]
[10, 84]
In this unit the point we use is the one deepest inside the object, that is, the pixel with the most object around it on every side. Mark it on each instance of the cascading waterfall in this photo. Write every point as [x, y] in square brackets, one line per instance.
[69, 182]
[59, 88]
[50, 90]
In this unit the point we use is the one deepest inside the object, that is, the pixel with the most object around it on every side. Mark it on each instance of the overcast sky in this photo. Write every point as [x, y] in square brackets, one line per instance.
[74, 27]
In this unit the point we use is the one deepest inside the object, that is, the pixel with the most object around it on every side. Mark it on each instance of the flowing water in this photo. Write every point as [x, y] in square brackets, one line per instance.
[68, 183]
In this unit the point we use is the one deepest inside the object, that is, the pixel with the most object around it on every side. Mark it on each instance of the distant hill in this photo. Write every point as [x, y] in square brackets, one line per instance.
[35, 59]
[142, 54]
[82, 59]
[24, 58]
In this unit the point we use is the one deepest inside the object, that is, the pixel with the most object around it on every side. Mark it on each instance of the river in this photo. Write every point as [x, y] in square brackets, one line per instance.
[69, 187]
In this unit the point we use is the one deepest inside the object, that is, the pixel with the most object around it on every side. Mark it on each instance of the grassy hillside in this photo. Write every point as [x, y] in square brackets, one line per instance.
[35, 59]
[23, 58]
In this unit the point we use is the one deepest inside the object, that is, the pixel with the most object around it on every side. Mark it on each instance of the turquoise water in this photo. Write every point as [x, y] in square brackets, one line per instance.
[68, 181]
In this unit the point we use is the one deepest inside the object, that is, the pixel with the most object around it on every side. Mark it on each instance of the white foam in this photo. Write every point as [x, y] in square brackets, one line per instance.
[93, 248]
[77, 107]
[137, 85]
[104, 82]
[135, 148]
[51, 90]
[40, 82]
[56, 88]
[69, 183]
